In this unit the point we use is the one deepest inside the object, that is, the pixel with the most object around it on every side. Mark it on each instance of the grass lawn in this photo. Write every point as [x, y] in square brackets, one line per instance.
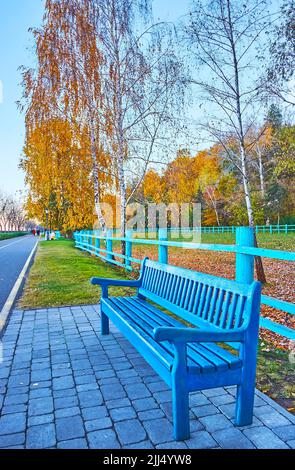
[60, 276]
[7, 235]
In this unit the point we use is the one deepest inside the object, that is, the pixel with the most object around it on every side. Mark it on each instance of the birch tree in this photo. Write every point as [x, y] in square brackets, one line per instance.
[66, 83]
[142, 86]
[224, 36]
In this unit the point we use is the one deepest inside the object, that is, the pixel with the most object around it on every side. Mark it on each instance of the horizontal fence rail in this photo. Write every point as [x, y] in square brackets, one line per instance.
[101, 245]
[277, 228]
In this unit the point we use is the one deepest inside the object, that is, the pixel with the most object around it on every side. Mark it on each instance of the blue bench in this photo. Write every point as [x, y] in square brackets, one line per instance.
[184, 348]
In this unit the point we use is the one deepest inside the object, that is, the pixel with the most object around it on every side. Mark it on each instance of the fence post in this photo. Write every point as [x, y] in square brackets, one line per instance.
[286, 228]
[90, 241]
[97, 243]
[83, 241]
[245, 263]
[109, 245]
[163, 249]
[128, 250]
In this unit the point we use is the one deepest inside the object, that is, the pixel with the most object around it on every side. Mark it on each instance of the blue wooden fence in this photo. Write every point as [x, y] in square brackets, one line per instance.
[101, 245]
[271, 229]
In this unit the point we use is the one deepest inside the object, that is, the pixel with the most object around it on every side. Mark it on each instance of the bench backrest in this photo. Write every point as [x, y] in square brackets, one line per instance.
[196, 297]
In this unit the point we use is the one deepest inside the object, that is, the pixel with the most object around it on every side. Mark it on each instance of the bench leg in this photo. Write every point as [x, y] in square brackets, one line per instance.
[244, 405]
[245, 398]
[180, 394]
[180, 403]
[105, 324]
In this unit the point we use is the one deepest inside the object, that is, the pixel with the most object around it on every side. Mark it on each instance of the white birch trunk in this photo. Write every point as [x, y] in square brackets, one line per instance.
[246, 187]
[96, 186]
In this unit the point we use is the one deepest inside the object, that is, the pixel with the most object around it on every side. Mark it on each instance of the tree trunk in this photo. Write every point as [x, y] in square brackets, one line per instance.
[258, 261]
[96, 178]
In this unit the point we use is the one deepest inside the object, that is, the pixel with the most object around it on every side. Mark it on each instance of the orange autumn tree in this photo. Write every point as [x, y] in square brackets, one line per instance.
[53, 153]
[66, 85]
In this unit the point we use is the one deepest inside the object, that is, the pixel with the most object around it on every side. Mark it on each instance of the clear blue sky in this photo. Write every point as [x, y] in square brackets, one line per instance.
[16, 17]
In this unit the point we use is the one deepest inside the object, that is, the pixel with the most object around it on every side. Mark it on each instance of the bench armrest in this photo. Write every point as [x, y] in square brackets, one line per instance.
[190, 335]
[103, 281]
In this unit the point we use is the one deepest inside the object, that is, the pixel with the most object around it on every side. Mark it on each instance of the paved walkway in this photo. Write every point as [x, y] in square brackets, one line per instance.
[64, 386]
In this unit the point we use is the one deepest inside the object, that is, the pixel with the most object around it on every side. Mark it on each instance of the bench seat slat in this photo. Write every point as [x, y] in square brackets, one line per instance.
[200, 358]
[195, 359]
[147, 323]
[223, 359]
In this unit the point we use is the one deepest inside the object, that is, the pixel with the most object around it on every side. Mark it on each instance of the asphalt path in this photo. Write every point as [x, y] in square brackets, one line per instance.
[13, 256]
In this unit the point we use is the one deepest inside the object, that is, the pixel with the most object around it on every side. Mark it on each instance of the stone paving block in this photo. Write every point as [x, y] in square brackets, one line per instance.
[163, 397]
[64, 393]
[85, 379]
[66, 402]
[215, 422]
[73, 444]
[112, 391]
[207, 410]
[69, 428]
[16, 399]
[145, 404]
[213, 392]
[104, 439]
[94, 412]
[40, 375]
[286, 433]
[41, 437]
[158, 387]
[198, 399]
[87, 387]
[97, 424]
[81, 364]
[23, 370]
[12, 423]
[196, 425]
[40, 393]
[42, 419]
[39, 385]
[63, 383]
[270, 417]
[121, 414]
[137, 391]
[13, 409]
[264, 438]
[17, 380]
[12, 440]
[201, 440]
[222, 399]
[151, 414]
[159, 430]
[40, 406]
[232, 438]
[90, 398]
[67, 412]
[130, 431]
[118, 403]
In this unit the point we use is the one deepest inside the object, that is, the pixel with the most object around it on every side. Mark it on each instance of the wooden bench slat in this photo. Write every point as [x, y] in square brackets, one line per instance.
[147, 324]
[219, 357]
